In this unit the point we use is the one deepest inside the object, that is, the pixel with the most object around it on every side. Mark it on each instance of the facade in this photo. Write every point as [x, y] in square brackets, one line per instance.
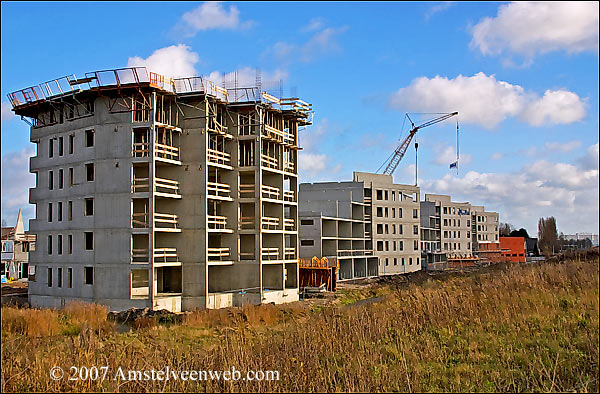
[390, 212]
[485, 226]
[335, 223]
[162, 193]
[16, 245]
[513, 249]
[582, 236]
[455, 226]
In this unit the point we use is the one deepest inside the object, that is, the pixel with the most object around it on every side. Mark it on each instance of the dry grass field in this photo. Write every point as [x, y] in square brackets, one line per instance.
[519, 328]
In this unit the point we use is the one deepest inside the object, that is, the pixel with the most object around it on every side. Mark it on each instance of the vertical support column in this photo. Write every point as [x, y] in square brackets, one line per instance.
[151, 182]
[258, 210]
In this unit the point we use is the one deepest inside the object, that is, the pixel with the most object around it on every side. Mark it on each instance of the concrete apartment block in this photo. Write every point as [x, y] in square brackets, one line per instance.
[390, 212]
[455, 225]
[485, 227]
[162, 193]
[431, 238]
[396, 223]
[335, 223]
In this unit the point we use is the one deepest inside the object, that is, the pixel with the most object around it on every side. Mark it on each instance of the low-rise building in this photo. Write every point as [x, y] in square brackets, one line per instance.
[513, 249]
[16, 245]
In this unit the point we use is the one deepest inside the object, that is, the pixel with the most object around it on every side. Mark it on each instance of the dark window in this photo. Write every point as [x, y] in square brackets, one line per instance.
[60, 178]
[71, 177]
[49, 211]
[307, 222]
[89, 138]
[89, 207]
[71, 143]
[49, 244]
[415, 213]
[60, 211]
[400, 213]
[69, 277]
[70, 243]
[88, 275]
[59, 282]
[89, 170]
[89, 240]
[49, 277]
[50, 180]
[60, 243]
[51, 147]
[307, 242]
[70, 210]
[60, 146]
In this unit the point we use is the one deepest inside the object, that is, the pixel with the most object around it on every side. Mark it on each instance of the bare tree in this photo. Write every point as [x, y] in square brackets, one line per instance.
[506, 229]
[547, 235]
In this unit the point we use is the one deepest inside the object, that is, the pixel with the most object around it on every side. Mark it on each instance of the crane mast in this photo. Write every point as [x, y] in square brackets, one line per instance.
[401, 149]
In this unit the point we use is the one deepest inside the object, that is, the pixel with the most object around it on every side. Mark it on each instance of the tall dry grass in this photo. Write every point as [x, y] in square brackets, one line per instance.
[527, 328]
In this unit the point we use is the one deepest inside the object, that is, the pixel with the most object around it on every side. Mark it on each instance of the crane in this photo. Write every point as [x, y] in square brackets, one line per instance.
[401, 149]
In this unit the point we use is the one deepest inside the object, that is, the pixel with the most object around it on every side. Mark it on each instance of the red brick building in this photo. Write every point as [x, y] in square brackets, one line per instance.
[516, 249]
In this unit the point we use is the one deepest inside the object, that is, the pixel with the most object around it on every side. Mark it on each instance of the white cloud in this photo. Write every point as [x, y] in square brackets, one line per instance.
[483, 100]
[590, 160]
[246, 77]
[438, 8]
[312, 164]
[443, 156]
[313, 24]
[497, 156]
[566, 191]
[16, 181]
[528, 28]
[209, 16]
[322, 42]
[7, 113]
[174, 61]
[556, 107]
[562, 146]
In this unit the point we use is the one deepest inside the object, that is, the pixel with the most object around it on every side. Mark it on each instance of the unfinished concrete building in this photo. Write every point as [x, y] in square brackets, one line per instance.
[335, 222]
[162, 193]
[391, 219]
[485, 226]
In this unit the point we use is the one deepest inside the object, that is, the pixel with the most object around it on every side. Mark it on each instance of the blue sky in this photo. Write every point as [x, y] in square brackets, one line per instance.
[527, 96]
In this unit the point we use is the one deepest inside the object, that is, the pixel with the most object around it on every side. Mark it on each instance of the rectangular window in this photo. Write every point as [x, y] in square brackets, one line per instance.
[60, 243]
[415, 229]
[50, 180]
[89, 138]
[386, 212]
[307, 222]
[387, 246]
[379, 212]
[400, 230]
[445, 210]
[410, 261]
[71, 143]
[60, 178]
[49, 277]
[379, 246]
[60, 146]
[379, 194]
[415, 213]
[51, 148]
[89, 240]
[402, 260]
[416, 245]
[70, 208]
[60, 205]
[401, 245]
[89, 171]
[70, 243]
[395, 261]
[70, 278]
[59, 281]
[307, 242]
[386, 195]
[393, 229]
[393, 213]
[400, 214]
[49, 212]
[88, 275]
[71, 177]
[393, 199]
[49, 244]
[89, 206]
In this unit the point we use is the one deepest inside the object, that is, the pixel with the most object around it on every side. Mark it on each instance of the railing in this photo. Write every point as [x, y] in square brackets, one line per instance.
[140, 185]
[247, 190]
[290, 253]
[367, 217]
[269, 161]
[140, 255]
[165, 255]
[270, 192]
[355, 252]
[141, 149]
[218, 189]
[140, 220]
[217, 222]
[274, 133]
[166, 186]
[166, 221]
[288, 138]
[218, 254]
[367, 200]
[166, 152]
[247, 256]
[288, 224]
[247, 223]
[270, 253]
[289, 166]
[270, 223]
[218, 157]
[288, 195]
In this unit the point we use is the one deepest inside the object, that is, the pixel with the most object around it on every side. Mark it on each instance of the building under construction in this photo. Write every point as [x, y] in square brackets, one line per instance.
[162, 193]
